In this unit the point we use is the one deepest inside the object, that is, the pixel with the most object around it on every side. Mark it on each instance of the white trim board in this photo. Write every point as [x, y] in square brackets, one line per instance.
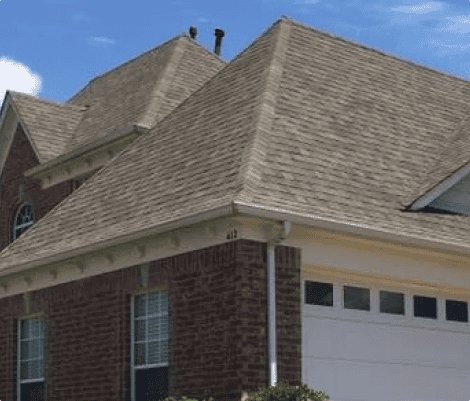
[441, 188]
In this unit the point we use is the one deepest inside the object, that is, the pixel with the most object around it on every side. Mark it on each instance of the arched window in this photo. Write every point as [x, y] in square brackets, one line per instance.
[24, 219]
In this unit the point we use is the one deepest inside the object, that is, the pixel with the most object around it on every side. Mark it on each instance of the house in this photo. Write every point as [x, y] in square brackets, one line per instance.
[298, 214]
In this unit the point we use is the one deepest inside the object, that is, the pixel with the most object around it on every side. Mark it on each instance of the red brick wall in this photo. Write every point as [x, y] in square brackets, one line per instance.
[9, 307]
[219, 337]
[289, 314]
[20, 159]
[218, 311]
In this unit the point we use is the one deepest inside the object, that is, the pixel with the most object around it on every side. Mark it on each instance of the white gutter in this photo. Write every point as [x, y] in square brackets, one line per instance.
[271, 279]
[88, 147]
[233, 209]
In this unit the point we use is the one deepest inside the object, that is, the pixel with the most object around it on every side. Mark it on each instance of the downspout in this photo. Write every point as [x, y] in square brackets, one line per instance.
[272, 344]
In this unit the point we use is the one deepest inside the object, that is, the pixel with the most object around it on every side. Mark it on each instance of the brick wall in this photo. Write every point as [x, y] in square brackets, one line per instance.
[218, 344]
[9, 307]
[20, 159]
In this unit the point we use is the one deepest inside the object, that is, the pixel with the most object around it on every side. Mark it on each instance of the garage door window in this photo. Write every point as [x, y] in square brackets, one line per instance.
[392, 302]
[425, 307]
[356, 298]
[456, 311]
[318, 293]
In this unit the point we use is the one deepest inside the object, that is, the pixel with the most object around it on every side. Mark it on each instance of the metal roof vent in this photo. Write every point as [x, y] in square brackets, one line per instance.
[193, 32]
[219, 34]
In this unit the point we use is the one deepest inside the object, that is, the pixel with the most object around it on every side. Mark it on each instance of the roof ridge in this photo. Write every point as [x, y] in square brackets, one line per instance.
[132, 59]
[266, 108]
[332, 34]
[252, 42]
[147, 119]
[180, 35]
[25, 129]
[44, 100]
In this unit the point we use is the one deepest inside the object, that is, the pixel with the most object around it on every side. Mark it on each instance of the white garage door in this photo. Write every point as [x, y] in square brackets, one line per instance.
[378, 344]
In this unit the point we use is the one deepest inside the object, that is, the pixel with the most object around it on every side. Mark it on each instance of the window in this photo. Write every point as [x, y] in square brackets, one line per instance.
[318, 293]
[457, 311]
[24, 219]
[32, 351]
[150, 347]
[392, 302]
[356, 298]
[425, 307]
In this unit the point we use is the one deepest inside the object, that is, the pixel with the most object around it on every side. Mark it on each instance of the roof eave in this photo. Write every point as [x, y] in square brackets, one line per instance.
[219, 212]
[76, 153]
[241, 208]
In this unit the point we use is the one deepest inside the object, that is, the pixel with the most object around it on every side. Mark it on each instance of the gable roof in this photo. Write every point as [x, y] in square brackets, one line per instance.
[308, 125]
[139, 92]
[49, 124]
[451, 165]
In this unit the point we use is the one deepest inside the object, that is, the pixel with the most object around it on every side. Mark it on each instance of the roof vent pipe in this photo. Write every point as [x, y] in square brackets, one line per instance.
[219, 34]
[193, 32]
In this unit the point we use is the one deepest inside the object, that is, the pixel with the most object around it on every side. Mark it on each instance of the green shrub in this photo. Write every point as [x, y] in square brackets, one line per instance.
[179, 398]
[279, 392]
[285, 392]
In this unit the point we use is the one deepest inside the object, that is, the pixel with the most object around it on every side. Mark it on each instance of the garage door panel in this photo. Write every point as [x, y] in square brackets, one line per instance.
[372, 355]
[384, 342]
[324, 329]
[321, 373]
[365, 381]
[427, 382]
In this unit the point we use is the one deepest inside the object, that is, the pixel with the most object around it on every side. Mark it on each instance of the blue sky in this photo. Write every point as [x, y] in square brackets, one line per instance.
[52, 48]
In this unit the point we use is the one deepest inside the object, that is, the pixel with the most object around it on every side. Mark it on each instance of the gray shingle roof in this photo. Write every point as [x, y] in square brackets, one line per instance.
[49, 124]
[301, 121]
[143, 90]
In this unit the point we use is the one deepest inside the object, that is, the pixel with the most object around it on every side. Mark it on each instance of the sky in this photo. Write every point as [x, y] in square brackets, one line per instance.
[53, 48]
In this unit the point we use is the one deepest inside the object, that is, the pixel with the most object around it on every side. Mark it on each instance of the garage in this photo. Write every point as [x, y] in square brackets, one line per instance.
[362, 342]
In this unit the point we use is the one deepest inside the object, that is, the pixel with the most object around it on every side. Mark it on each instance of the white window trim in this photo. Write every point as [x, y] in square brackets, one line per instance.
[43, 350]
[141, 367]
[15, 227]
[337, 311]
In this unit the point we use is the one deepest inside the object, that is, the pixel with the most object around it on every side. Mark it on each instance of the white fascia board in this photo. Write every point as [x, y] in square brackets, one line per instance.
[341, 226]
[240, 208]
[219, 212]
[5, 141]
[37, 171]
[7, 137]
[441, 188]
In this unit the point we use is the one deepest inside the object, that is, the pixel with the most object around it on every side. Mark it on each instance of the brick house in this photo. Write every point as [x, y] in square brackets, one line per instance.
[189, 226]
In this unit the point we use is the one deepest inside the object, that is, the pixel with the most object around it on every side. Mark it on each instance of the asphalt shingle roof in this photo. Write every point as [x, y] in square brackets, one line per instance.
[300, 121]
[49, 124]
[140, 92]
[144, 90]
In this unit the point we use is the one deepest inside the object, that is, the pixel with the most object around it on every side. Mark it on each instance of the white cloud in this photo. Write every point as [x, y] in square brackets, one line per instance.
[17, 77]
[457, 24]
[202, 19]
[422, 8]
[102, 41]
